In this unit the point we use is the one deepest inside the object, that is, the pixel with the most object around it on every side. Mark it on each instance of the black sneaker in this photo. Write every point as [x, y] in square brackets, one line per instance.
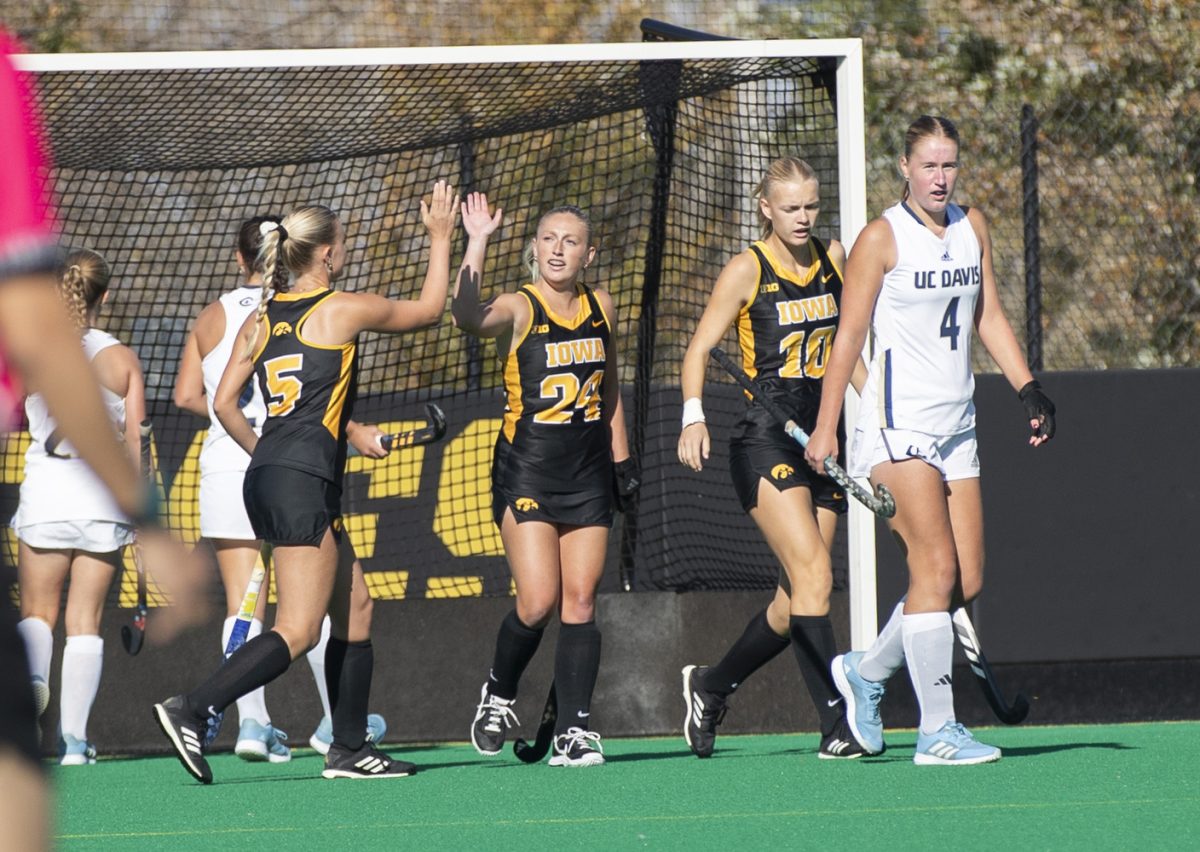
[840, 743]
[577, 747]
[493, 717]
[367, 762]
[705, 710]
[186, 733]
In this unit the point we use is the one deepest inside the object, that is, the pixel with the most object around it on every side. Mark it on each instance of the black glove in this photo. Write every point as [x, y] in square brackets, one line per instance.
[627, 479]
[1039, 407]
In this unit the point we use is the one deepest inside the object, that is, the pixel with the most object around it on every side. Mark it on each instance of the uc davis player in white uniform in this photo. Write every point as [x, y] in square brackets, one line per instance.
[223, 518]
[67, 521]
[783, 293]
[921, 277]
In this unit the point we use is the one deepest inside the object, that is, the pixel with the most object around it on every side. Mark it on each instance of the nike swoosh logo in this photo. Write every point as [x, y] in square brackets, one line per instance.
[597, 323]
[826, 278]
[834, 702]
[581, 714]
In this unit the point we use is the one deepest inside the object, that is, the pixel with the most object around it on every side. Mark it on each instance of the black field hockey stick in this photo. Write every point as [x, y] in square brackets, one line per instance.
[433, 430]
[881, 502]
[528, 752]
[133, 637]
[1009, 714]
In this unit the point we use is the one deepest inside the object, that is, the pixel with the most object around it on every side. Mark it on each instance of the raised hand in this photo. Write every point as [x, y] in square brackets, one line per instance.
[439, 213]
[477, 220]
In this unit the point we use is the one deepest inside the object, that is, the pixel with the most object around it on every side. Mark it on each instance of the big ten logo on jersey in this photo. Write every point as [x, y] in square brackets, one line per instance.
[769, 287]
[796, 311]
[590, 350]
[933, 279]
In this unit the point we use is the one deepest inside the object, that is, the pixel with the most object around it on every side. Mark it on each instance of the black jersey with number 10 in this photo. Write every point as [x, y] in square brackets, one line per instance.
[309, 390]
[786, 331]
[554, 379]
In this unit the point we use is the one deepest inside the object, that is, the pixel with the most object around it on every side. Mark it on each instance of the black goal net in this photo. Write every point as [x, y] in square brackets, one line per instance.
[156, 169]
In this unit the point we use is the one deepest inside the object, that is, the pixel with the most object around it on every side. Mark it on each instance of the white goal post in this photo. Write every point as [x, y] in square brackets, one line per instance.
[847, 54]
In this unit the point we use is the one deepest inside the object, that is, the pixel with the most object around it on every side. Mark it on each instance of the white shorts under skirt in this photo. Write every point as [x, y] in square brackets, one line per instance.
[954, 456]
[92, 536]
[222, 508]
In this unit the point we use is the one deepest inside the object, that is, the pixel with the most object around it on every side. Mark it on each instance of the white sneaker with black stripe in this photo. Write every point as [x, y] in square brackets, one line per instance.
[186, 733]
[577, 747]
[367, 762]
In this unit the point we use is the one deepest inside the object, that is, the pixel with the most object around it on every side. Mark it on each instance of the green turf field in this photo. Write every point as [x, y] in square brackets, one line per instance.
[1086, 787]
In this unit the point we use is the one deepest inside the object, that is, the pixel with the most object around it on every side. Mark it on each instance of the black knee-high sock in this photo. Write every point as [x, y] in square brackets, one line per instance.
[258, 662]
[515, 646]
[756, 647]
[348, 668]
[812, 641]
[576, 665]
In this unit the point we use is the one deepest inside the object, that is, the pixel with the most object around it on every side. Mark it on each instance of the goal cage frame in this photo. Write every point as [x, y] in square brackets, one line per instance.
[841, 58]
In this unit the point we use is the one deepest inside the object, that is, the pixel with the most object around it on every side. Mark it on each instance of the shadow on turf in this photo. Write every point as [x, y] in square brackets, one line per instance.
[1026, 751]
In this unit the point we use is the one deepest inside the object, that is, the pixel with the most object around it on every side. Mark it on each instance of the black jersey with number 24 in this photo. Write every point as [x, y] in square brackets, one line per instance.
[309, 389]
[552, 459]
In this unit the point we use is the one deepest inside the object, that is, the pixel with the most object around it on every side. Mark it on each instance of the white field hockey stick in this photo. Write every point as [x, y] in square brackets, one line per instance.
[881, 502]
[1009, 714]
[237, 638]
[133, 637]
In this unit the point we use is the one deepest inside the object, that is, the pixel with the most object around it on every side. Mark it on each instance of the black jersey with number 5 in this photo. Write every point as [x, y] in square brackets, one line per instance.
[309, 389]
[786, 331]
[554, 381]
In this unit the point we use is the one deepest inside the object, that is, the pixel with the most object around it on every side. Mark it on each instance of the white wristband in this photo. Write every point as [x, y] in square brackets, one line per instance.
[693, 412]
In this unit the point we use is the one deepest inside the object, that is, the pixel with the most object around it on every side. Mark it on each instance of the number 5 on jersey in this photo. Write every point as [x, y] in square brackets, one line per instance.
[283, 387]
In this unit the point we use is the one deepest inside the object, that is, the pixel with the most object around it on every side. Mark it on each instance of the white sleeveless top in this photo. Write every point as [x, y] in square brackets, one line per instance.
[58, 485]
[220, 453]
[920, 378]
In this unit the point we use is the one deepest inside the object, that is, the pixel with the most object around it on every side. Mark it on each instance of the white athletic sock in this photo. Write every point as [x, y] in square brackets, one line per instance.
[316, 660]
[39, 645]
[252, 705]
[83, 659]
[886, 654]
[929, 650]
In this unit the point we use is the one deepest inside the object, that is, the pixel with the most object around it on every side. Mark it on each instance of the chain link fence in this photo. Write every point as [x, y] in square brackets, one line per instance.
[1114, 89]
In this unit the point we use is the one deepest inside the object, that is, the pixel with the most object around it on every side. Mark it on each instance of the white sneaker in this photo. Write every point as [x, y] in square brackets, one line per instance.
[952, 745]
[76, 752]
[578, 747]
[261, 742]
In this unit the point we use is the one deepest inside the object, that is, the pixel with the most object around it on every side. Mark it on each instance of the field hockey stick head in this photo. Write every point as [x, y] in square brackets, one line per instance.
[133, 637]
[882, 503]
[428, 434]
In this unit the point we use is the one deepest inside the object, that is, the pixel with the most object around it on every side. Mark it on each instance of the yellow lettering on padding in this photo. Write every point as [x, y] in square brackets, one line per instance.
[454, 587]
[462, 518]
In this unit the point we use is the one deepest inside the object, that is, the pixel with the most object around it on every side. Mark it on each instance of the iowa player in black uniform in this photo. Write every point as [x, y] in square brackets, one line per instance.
[301, 348]
[783, 293]
[553, 469]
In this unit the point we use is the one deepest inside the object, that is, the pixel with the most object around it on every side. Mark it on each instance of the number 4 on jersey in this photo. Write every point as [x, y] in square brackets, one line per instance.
[950, 326]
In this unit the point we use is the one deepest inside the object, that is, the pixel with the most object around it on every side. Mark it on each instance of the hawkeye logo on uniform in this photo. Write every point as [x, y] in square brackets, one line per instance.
[795, 311]
[526, 504]
[782, 471]
[543, 328]
[281, 328]
[587, 351]
[337, 525]
[773, 287]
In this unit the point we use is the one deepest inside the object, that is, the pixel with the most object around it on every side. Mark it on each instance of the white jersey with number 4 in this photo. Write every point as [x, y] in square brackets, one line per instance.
[220, 453]
[920, 378]
[58, 485]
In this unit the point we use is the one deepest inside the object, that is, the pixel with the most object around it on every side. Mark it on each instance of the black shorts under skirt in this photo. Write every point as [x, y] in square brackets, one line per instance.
[764, 451]
[291, 507]
[535, 496]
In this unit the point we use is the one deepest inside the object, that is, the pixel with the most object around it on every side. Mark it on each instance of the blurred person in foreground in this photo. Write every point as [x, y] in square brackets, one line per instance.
[39, 347]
